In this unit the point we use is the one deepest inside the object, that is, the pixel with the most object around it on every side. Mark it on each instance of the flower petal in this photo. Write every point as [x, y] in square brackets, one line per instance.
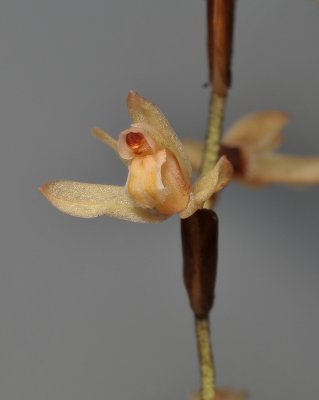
[213, 181]
[257, 132]
[89, 200]
[104, 137]
[144, 182]
[155, 181]
[194, 150]
[208, 184]
[143, 112]
[286, 169]
[177, 189]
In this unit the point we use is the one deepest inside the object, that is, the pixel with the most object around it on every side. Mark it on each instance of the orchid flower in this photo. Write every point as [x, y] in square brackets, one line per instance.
[159, 174]
[250, 145]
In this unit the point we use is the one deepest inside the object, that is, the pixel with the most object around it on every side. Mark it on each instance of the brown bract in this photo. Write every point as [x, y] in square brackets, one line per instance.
[220, 21]
[159, 174]
[200, 243]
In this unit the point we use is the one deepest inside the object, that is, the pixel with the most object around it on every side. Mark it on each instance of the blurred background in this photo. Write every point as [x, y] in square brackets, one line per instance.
[96, 309]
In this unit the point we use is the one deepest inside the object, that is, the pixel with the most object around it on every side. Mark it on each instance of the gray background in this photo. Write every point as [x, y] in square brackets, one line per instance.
[96, 309]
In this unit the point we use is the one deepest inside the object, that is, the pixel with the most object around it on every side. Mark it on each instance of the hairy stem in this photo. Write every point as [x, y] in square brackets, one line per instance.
[207, 371]
[220, 15]
[214, 131]
[211, 154]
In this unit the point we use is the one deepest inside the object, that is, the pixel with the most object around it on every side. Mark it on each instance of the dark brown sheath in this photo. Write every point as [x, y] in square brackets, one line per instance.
[220, 22]
[199, 243]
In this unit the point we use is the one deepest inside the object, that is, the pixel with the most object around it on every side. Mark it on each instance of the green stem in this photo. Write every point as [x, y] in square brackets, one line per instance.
[211, 154]
[214, 131]
[207, 370]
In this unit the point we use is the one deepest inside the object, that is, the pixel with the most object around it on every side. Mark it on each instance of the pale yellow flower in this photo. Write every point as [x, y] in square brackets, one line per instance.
[250, 145]
[159, 179]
